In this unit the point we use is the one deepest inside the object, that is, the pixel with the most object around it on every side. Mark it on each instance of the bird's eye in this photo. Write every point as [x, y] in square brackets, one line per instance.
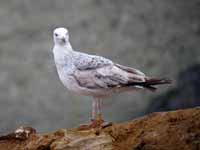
[56, 34]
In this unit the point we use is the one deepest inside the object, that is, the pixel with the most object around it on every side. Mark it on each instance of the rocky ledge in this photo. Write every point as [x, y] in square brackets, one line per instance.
[174, 130]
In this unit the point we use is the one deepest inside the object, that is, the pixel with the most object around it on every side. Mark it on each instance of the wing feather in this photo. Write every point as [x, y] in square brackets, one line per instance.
[110, 76]
[84, 61]
[131, 70]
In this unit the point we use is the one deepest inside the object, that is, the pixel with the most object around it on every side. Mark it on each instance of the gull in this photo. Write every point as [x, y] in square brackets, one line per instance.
[96, 76]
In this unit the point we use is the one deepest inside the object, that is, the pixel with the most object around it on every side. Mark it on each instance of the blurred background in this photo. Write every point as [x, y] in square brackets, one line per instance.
[159, 37]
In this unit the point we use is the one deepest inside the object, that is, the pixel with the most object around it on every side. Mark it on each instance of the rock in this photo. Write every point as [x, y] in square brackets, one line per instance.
[175, 130]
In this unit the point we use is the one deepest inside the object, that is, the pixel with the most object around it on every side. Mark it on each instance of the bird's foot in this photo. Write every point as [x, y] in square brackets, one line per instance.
[97, 123]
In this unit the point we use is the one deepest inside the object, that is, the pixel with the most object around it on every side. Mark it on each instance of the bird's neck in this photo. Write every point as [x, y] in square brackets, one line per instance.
[67, 48]
[62, 52]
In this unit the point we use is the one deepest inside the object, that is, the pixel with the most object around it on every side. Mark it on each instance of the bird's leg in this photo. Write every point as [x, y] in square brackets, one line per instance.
[97, 121]
[99, 116]
[94, 109]
[94, 121]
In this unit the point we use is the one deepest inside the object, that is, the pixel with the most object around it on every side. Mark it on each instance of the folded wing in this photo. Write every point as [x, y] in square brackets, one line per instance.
[96, 72]
[110, 76]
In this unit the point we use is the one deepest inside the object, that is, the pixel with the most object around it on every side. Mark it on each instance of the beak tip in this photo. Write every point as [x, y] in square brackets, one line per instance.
[63, 40]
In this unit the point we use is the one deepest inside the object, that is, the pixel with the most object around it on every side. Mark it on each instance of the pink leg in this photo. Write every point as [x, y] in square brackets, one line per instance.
[97, 118]
[100, 116]
[94, 108]
[99, 106]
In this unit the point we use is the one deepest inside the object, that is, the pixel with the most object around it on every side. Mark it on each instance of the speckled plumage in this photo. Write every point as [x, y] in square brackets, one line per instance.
[84, 61]
[94, 75]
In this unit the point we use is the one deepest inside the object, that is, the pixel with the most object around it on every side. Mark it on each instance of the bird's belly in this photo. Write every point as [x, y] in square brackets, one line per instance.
[68, 81]
[72, 85]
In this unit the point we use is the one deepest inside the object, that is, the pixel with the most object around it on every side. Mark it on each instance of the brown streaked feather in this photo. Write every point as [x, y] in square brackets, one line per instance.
[130, 70]
[113, 76]
[106, 77]
[151, 82]
[156, 81]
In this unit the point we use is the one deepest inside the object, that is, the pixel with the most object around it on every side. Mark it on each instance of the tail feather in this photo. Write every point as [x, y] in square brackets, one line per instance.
[150, 83]
[157, 81]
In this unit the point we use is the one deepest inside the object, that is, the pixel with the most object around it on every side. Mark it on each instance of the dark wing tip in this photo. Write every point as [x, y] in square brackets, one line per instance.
[152, 82]
[155, 81]
[166, 81]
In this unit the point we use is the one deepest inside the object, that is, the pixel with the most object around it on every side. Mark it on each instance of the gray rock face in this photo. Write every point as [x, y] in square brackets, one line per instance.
[159, 37]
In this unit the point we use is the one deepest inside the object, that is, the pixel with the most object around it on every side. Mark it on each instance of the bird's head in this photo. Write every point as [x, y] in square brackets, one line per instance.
[61, 36]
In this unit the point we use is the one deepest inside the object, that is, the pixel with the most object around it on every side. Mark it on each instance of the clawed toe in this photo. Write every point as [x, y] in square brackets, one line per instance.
[95, 124]
[107, 124]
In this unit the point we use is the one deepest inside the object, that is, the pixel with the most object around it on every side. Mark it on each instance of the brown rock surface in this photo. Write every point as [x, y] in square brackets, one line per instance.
[175, 130]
